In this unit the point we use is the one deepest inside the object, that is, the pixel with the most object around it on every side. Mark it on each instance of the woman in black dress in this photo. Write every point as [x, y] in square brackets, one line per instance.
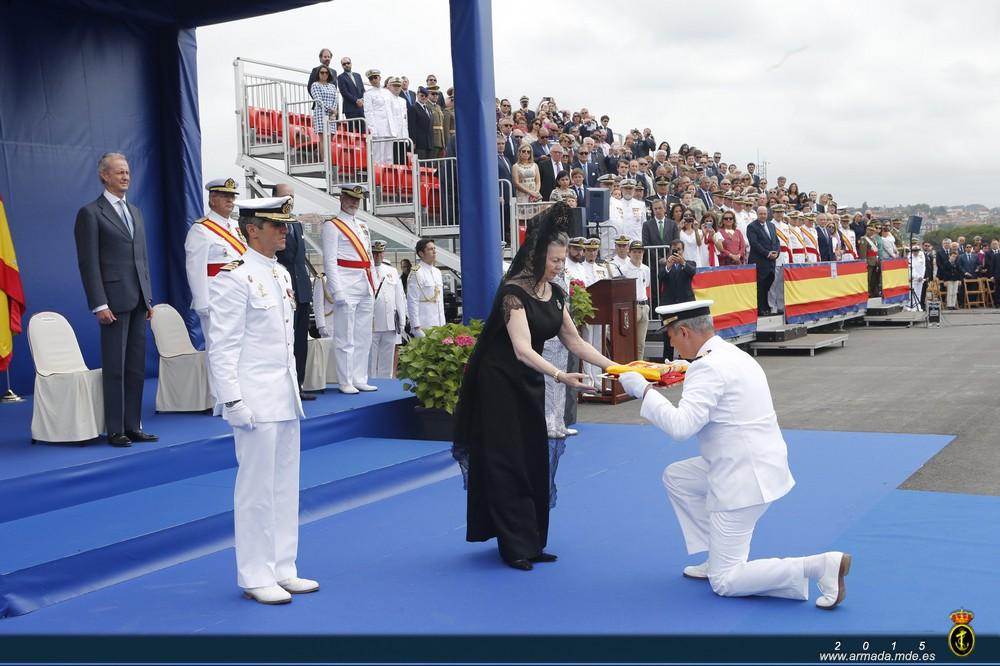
[501, 440]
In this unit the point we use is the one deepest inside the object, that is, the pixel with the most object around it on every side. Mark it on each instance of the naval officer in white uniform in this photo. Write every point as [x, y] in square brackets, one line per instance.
[425, 290]
[348, 267]
[212, 242]
[720, 495]
[390, 315]
[251, 340]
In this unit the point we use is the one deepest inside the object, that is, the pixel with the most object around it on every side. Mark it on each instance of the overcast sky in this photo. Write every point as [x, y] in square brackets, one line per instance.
[874, 100]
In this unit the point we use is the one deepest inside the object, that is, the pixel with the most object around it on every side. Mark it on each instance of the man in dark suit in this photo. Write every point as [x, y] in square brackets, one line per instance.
[528, 113]
[549, 167]
[325, 56]
[661, 192]
[506, 127]
[504, 173]
[114, 266]
[293, 258]
[658, 230]
[542, 146]
[942, 257]
[756, 179]
[703, 193]
[764, 248]
[968, 262]
[352, 89]
[591, 172]
[823, 238]
[674, 276]
[418, 121]
[408, 95]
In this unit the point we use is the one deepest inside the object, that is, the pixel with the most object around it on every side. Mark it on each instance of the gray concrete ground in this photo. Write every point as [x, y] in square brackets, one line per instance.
[908, 380]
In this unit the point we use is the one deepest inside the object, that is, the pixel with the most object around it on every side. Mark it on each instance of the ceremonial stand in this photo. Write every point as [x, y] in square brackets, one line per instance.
[614, 301]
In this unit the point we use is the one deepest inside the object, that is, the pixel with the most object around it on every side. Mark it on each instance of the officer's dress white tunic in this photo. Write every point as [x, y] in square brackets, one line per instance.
[353, 303]
[719, 495]
[425, 298]
[205, 253]
[251, 346]
[389, 305]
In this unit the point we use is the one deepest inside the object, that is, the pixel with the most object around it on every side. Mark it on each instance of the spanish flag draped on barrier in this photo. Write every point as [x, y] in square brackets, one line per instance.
[734, 290]
[11, 293]
[895, 280]
[827, 289]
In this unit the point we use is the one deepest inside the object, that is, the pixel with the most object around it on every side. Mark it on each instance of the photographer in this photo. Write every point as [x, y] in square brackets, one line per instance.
[675, 276]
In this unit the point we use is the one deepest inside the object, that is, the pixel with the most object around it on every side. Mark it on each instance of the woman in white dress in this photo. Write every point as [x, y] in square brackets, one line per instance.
[527, 182]
[690, 235]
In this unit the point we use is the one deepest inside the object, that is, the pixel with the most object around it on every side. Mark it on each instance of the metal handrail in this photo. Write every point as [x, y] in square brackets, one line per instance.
[271, 64]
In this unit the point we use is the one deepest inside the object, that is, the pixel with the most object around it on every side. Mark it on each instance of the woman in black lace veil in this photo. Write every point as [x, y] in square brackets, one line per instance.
[500, 438]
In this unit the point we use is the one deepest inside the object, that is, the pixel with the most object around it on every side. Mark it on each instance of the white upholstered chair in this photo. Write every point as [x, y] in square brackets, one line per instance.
[183, 383]
[69, 399]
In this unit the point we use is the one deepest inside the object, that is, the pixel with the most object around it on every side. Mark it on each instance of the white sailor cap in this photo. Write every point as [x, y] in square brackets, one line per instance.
[272, 208]
[680, 311]
[225, 185]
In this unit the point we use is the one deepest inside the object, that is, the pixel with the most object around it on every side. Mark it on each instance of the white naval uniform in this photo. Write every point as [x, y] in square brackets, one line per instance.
[376, 101]
[641, 275]
[205, 253]
[811, 243]
[719, 495]
[796, 244]
[632, 214]
[425, 298]
[396, 116]
[848, 244]
[776, 295]
[322, 306]
[353, 305]
[575, 270]
[594, 333]
[251, 346]
[918, 268]
[389, 320]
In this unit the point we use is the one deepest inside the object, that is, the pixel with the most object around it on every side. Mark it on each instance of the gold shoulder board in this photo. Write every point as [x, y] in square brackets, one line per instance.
[232, 265]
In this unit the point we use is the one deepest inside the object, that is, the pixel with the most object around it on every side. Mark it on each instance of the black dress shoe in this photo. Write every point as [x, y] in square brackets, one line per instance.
[544, 557]
[521, 565]
[140, 436]
[306, 396]
[119, 440]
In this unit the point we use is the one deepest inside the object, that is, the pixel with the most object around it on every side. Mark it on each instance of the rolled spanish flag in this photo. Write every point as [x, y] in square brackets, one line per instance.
[11, 293]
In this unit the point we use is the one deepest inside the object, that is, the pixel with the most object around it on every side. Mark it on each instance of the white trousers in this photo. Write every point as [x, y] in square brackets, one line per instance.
[382, 354]
[726, 536]
[352, 336]
[951, 293]
[205, 320]
[594, 335]
[641, 327]
[266, 502]
[555, 392]
[916, 286]
[776, 295]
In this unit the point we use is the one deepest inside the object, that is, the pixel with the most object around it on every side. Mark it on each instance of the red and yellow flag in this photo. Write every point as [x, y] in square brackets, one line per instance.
[11, 293]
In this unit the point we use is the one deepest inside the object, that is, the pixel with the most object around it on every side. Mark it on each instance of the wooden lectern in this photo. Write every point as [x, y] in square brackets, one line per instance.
[614, 301]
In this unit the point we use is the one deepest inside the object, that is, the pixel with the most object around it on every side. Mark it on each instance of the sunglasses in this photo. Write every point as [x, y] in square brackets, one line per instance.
[583, 153]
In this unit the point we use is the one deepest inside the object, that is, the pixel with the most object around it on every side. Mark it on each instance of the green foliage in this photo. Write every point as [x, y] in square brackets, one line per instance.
[987, 231]
[433, 365]
[580, 304]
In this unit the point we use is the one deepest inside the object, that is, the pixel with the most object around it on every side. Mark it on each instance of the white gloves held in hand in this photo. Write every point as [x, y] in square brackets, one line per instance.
[634, 384]
[239, 416]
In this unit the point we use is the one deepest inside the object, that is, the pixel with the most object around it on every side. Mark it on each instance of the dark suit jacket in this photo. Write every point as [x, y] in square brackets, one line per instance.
[293, 257]
[410, 97]
[968, 263]
[611, 163]
[529, 114]
[314, 76]
[114, 265]
[548, 178]
[825, 245]
[537, 151]
[651, 232]
[763, 240]
[706, 198]
[675, 284]
[942, 259]
[351, 88]
[418, 121]
[510, 148]
[591, 172]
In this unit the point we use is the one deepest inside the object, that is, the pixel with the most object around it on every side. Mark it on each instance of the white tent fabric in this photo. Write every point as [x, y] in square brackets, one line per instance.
[69, 399]
[183, 384]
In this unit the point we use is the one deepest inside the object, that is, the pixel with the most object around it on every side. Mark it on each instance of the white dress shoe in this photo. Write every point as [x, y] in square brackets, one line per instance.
[272, 595]
[348, 389]
[697, 571]
[556, 434]
[365, 387]
[571, 431]
[299, 585]
[831, 583]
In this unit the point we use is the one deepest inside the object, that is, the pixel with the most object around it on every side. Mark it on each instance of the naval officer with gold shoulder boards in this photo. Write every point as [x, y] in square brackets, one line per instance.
[425, 290]
[390, 315]
[251, 339]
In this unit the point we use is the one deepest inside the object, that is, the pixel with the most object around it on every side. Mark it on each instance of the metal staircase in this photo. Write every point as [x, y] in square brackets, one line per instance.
[277, 143]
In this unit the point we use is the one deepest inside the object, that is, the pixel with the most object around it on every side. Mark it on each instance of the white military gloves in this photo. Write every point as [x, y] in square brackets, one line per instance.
[634, 384]
[239, 416]
[323, 332]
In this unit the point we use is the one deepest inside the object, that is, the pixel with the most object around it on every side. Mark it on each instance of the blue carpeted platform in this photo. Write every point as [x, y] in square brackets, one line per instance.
[400, 565]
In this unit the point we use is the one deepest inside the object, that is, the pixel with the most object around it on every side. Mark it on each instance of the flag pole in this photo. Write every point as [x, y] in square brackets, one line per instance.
[9, 396]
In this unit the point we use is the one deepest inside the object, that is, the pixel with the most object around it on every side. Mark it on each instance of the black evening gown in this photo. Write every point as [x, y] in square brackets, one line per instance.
[501, 439]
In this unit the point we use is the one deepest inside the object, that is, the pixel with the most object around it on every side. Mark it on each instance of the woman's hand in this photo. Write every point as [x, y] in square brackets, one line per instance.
[576, 381]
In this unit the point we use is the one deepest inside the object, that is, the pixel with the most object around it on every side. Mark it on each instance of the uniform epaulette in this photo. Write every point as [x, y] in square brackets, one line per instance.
[232, 265]
[702, 355]
[415, 269]
[201, 221]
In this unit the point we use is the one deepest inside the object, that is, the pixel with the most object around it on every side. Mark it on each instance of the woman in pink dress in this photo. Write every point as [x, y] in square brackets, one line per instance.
[730, 245]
